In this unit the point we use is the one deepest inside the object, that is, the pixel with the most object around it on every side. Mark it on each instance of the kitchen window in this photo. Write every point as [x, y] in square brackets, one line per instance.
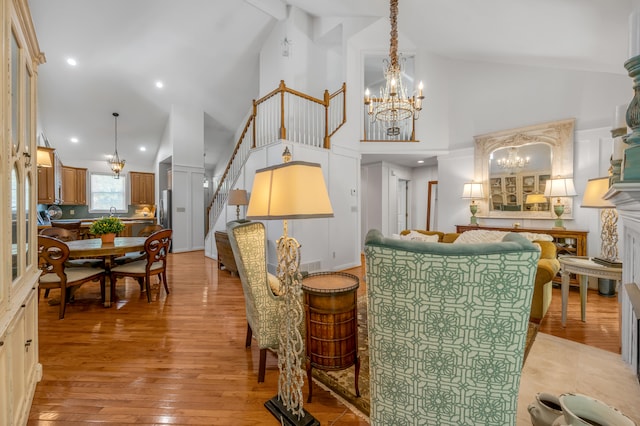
[107, 192]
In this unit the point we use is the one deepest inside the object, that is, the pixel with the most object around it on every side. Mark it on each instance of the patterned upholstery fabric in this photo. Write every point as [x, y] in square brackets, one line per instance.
[447, 329]
[248, 242]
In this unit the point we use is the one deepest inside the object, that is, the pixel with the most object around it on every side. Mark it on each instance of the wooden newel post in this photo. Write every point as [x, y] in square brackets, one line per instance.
[283, 130]
[253, 124]
[327, 100]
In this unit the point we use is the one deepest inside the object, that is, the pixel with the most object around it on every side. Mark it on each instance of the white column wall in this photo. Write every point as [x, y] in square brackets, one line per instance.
[187, 141]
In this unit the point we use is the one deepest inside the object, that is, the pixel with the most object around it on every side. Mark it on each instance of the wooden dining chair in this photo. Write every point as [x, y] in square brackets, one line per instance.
[61, 234]
[52, 257]
[133, 256]
[71, 225]
[156, 249]
[64, 234]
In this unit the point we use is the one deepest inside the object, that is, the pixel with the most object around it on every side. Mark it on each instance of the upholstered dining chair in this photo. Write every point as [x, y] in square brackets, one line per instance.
[52, 256]
[156, 249]
[249, 245]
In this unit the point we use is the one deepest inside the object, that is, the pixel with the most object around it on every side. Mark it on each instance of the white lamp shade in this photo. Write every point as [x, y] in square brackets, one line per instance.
[593, 193]
[238, 197]
[294, 190]
[560, 187]
[472, 191]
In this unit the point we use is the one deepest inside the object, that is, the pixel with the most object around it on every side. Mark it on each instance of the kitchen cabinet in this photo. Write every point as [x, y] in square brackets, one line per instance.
[19, 366]
[142, 188]
[74, 186]
[46, 179]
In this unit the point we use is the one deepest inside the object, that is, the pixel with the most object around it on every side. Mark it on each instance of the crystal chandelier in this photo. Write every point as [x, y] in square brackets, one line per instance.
[115, 163]
[394, 104]
[513, 160]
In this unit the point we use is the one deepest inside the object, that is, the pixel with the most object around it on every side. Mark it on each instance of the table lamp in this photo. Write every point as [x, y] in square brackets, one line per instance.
[593, 193]
[292, 190]
[238, 197]
[473, 191]
[559, 187]
[535, 199]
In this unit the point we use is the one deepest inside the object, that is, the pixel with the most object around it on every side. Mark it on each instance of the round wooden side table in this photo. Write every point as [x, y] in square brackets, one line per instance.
[331, 316]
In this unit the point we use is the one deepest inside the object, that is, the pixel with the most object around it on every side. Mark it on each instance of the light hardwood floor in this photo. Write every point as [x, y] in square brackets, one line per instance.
[181, 359]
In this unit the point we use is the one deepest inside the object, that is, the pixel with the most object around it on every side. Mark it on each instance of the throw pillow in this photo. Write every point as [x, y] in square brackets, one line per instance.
[274, 284]
[488, 236]
[480, 236]
[417, 236]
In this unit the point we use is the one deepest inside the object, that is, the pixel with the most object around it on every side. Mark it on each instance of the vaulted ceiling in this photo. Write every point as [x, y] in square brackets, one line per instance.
[206, 52]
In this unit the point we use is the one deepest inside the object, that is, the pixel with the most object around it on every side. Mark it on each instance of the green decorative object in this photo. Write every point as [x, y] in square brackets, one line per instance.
[473, 207]
[631, 163]
[106, 225]
[558, 209]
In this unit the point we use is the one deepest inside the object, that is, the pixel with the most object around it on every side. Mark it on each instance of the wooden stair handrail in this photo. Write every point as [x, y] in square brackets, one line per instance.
[282, 89]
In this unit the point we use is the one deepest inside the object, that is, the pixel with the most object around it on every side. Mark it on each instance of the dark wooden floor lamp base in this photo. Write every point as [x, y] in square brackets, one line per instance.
[285, 417]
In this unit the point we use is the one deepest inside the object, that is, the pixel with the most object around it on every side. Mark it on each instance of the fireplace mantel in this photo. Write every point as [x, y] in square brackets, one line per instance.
[626, 197]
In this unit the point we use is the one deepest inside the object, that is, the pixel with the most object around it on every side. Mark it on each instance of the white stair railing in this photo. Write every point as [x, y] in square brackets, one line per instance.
[284, 113]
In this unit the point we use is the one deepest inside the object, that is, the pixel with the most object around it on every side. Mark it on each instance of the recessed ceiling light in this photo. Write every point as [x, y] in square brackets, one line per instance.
[72, 62]
[74, 140]
[420, 161]
[159, 84]
[142, 148]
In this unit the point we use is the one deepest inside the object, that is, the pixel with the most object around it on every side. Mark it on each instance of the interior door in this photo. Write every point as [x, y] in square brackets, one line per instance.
[402, 218]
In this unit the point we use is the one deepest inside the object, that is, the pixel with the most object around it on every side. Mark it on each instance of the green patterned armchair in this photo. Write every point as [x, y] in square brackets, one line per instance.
[447, 329]
[248, 242]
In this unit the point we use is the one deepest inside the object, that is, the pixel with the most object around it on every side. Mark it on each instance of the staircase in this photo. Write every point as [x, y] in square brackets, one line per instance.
[283, 113]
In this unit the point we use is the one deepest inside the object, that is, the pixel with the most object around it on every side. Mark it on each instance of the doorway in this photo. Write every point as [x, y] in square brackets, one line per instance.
[402, 208]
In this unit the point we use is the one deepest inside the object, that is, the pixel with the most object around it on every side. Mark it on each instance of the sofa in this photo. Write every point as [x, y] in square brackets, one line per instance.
[447, 326]
[548, 267]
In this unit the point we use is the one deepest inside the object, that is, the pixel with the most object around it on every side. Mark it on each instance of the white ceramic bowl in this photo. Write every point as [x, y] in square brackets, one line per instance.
[582, 410]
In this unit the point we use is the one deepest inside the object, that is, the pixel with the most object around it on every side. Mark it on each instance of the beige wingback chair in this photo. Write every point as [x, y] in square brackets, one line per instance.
[249, 244]
[447, 329]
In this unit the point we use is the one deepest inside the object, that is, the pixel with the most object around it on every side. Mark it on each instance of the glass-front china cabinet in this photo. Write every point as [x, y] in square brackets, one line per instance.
[19, 366]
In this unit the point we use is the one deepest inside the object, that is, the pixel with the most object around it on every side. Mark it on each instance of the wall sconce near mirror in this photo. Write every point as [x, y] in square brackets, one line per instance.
[473, 191]
[559, 188]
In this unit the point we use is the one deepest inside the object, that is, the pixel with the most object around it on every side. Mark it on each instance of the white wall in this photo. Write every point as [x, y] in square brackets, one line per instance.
[186, 134]
[305, 67]
[462, 99]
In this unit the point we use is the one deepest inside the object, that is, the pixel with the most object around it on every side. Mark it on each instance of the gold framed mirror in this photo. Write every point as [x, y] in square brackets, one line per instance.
[514, 166]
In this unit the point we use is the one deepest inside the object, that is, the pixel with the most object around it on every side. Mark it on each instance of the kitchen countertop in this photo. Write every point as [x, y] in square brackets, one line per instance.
[86, 222]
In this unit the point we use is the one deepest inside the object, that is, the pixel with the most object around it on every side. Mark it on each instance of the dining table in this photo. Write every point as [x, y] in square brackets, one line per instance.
[95, 248]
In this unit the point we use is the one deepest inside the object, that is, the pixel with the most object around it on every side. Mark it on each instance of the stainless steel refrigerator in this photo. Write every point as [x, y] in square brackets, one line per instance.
[165, 208]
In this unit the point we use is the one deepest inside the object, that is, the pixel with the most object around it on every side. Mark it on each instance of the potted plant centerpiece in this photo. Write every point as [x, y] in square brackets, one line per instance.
[107, 228]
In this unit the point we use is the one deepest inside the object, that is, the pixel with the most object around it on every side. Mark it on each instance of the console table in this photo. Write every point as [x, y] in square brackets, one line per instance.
[568, 242]
[225, 254]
